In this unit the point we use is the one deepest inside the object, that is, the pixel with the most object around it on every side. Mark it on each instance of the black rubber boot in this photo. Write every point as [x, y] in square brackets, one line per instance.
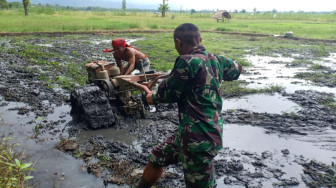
[144, 184]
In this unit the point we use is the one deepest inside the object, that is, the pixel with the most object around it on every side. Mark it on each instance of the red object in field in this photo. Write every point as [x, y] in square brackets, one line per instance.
[108, 50]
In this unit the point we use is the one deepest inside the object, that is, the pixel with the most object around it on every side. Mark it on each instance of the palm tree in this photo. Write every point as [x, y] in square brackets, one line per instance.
[123, 6]
[163, 8]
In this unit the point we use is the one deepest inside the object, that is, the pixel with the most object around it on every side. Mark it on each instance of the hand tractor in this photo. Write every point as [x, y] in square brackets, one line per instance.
[108, 93]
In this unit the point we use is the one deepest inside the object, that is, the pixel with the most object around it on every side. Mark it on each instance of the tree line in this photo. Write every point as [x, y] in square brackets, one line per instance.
[163, 8]
[25, 4]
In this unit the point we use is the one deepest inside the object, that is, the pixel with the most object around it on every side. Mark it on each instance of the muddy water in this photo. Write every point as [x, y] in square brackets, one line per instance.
[275, 104]
[275, 70]
[286, 150]
[329, 62]
[52, 167]
[122, 135]
[268, 71]
[255, 140]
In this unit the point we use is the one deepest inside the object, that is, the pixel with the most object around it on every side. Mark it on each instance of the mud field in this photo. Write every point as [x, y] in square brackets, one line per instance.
[282, 139]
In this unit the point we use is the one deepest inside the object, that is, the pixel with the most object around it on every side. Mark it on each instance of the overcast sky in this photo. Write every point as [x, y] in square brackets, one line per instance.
[248, 5]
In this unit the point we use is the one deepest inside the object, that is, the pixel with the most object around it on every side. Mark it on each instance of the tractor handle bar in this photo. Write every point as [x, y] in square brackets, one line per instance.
[146, 87]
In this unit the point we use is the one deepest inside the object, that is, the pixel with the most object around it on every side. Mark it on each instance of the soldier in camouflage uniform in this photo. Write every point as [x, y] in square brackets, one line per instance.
[194, 84]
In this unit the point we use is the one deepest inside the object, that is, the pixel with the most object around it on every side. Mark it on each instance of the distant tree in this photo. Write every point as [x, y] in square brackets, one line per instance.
[181, 10]
[235, 11]
[192, 11]
[243, 11]
[26, 3]
[123, 5]
[274, 11]
[14, 5]
[254, 10]
[163, 8]
[3, 4]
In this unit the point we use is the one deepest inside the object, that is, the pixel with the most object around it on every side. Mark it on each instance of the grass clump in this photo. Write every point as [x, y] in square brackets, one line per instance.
[162, 54]
[50, 67]
[320, 51]
[328, 101]
[317, 67]
[13, 172]
[33, 53]
[235, 88]
[324, 175]
[153, 26]
[319, 78]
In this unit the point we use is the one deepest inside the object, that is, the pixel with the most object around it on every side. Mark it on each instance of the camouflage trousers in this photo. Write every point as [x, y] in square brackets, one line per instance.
[142, 65]
[198, 167]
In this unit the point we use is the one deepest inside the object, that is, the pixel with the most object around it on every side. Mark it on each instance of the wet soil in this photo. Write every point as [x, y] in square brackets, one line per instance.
[102, 32]
[264, 146]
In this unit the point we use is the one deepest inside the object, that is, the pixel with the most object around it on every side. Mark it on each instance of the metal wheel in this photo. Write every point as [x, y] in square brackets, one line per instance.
[107, 87]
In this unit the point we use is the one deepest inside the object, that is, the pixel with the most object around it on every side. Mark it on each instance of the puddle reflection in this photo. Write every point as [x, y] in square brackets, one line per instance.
[254, 139]
[122, 135]
[261, 103]
[267, 71]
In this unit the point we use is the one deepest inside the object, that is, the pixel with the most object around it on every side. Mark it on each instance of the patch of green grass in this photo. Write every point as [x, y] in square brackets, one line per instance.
[78, 154]
[134, 25]
[13, 171]
[76, 73]
[315, 77]
[316, 67]
[329, 102]
[318, 77]
[303, 25]
[302, 62]
[160, 49]
[235, 88]
[31, 70]
[104, 157]
[291, 114]
[67, 75]
[33, 53]
[243, 62]
[223, 29]
[320, 51]
[153, 26]
[324, 175]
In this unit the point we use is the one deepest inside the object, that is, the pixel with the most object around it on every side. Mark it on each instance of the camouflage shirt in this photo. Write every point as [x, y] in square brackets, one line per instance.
[194, 84]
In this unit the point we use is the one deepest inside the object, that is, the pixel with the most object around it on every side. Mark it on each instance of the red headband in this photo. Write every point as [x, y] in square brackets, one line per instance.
[119, 42]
